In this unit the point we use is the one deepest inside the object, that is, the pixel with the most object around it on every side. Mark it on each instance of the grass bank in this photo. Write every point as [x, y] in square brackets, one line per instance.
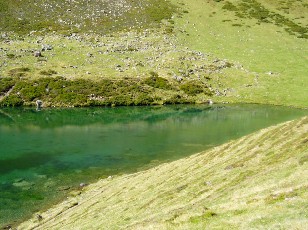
[258, 181]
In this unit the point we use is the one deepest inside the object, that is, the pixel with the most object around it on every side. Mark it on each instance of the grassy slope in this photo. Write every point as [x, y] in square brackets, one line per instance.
[256, 182]
[259, 47]
[207, 28]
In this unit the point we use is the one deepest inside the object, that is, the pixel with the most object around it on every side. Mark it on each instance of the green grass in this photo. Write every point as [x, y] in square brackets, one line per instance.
[266, 42]
[256, 182]
[249, 51]
[40, 17]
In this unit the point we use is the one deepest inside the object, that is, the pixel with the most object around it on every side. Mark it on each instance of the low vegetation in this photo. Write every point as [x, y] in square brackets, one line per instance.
[233, 186]
[58, 91]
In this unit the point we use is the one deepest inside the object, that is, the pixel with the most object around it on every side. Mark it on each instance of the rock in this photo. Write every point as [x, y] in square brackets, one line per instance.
[178, 78]
[46, 47]
[39, 104]
[82, 185]
[37, 54]
[25, 185]
[19, 180]
[9, 227]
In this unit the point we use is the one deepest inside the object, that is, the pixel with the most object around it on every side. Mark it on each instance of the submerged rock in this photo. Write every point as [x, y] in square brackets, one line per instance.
[63, 188]
[24, 185]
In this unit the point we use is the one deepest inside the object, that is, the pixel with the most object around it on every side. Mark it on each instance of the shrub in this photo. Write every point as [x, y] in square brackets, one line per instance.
[176, 99]
[6, 84]
[12, 101]
[192, 88]
[157, 82]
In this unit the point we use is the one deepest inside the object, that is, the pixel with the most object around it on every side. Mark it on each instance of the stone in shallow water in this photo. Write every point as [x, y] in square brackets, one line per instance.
[24, 185]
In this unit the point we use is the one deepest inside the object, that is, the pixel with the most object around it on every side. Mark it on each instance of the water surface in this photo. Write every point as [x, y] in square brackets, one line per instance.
[46, 154]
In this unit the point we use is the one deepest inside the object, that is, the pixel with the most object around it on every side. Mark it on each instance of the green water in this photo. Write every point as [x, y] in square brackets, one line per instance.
[46, 154]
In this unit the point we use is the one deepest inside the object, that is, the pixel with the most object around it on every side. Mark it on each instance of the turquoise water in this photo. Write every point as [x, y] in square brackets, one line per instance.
[46, 154]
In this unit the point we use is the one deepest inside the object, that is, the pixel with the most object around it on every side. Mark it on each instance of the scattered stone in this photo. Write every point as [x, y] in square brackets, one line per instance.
[82, 185]
[8, 227]
[210, 102]
[37, 54]
[178, 78]
[46, 47]
[25, 185]
[39, 104]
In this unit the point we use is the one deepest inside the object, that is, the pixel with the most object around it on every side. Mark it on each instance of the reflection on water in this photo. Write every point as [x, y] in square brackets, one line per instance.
[44, 154]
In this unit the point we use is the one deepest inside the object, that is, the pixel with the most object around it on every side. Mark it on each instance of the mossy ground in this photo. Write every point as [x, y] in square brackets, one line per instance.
[256, 182]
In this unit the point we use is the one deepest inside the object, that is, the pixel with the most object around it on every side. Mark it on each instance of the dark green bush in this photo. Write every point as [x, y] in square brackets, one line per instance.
[176, 99]
[12, 101]
[70, 98]
[192, 88]
[6, 84]
[143, 99]
[157, 82]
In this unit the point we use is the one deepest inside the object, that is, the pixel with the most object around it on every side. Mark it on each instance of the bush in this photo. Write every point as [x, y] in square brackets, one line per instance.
[6, 84]
[157, 82]
[12, 101]
[192, 88]
[177, 99]
[143, 99]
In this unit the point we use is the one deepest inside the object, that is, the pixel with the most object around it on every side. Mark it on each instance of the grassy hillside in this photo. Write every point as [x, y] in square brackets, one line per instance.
[237, 51]
[269, 38]
[41, 17]
[256, 182]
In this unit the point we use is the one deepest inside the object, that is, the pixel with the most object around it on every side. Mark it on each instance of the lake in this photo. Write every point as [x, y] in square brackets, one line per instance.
[46, 154]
